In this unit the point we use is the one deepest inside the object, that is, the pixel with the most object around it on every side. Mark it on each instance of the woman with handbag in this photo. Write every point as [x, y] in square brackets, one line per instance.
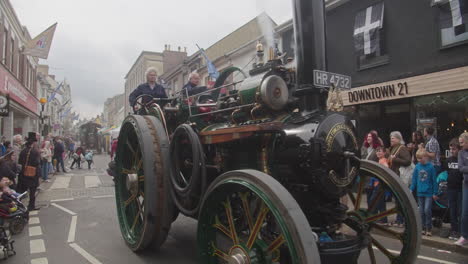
[399, 156]
[30, 160]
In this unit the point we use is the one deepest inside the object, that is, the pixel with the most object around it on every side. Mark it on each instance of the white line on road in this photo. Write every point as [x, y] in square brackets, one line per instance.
[34, 220]
[61, 182]
[92, 181]
[85, 254]
[423, 257]
[62, 200]
[37, 246]
[71, 233]
[35, 231]
[39, 261]
[33, 213]
[63, 209]
[103, 196]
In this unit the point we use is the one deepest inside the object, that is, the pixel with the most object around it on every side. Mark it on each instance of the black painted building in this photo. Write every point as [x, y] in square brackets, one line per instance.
[408, 61]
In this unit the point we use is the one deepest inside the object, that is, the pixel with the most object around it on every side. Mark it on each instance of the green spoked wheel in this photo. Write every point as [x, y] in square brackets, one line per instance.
[249, 217]
[371, 213]
[142, 172]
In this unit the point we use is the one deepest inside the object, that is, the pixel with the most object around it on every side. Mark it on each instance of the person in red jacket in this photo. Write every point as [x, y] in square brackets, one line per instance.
[113, 148]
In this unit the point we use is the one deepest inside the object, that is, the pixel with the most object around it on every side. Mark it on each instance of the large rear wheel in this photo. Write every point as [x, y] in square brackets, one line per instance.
[249, 217]
[142, 174]
[371, 213]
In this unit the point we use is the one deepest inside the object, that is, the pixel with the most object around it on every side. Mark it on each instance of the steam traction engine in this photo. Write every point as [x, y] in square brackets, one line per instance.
[271, 176]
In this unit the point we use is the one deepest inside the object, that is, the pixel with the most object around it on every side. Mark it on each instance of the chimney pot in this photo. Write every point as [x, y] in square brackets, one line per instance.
[178, 48]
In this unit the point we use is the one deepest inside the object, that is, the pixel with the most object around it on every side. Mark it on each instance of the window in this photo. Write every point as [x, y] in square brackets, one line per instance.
[453, 22]
[12, 54]
[5, 41]
[369, 41]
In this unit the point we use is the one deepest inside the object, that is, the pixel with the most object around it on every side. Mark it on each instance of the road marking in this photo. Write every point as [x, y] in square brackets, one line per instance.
[63, 209]
[34, 220]
[35, 231]
[92, 181]
[37, 246]
[39, 261]
[71, 233]
[61, 182]
[62, 200]
[33, 212]
[422, 257]
[103, 196]
[85, 254]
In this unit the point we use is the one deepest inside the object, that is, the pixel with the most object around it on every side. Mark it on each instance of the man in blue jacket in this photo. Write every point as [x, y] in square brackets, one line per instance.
[150, 88]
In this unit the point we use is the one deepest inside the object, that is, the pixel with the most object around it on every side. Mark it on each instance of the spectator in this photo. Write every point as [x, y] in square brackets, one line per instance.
[463, 167]
[399, 156]
[30, 156]
[89, 158]
[59, 149]
[8, 167]
[432, 148]
[369, 146]
[424, 183]
[77, 158]
[416, 140]
[17, 146]
[46, 159]
[454, 188]
[377, 135]
[113, 148]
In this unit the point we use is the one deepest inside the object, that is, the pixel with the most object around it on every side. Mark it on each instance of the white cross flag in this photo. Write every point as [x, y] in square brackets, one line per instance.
[40, 45]
[367, 24]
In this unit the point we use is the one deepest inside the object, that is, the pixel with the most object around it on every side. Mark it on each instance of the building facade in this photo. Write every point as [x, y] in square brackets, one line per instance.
[17, 76]
[56, 119]
[412, 73]
[235, 49]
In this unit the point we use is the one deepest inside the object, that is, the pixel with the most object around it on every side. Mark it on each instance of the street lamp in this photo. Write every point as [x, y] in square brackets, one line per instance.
[43, 101]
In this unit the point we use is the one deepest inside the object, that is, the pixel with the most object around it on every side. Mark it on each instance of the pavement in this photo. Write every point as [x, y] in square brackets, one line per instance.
[78, 224]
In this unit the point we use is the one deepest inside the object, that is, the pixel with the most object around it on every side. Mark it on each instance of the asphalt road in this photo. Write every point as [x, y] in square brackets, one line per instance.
[84, 199]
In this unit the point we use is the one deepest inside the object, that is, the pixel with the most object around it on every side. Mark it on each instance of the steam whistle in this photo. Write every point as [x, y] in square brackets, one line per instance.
[260, 54]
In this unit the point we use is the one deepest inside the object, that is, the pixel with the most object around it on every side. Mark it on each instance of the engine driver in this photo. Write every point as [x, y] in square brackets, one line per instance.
[192, 85]
[150, 88]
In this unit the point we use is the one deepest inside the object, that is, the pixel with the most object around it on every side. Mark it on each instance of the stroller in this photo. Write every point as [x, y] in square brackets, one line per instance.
[15, 216]
[12, 218]
[440, 208]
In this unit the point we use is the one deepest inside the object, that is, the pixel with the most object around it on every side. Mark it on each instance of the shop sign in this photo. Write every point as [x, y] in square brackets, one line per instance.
[399, 89]
[11, 86]
[4, 105]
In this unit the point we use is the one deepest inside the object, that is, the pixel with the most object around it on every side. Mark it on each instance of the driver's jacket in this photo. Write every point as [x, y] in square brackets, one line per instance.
[157, 92]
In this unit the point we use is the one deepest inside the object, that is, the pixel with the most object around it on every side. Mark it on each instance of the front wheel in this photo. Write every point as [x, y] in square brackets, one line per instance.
[142, 171]
[249, 217]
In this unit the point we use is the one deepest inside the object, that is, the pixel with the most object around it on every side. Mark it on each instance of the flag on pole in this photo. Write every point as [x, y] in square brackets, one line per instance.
[76, 117]
[209, 64]
[40, 45]
[367, 25]
[52, 95]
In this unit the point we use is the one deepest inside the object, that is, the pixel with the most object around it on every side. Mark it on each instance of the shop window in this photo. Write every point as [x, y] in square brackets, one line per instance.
[369, 41]
[453, 22]
[449, 112]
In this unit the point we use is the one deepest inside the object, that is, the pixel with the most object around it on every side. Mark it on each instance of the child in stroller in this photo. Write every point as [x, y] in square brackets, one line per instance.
[13, 213]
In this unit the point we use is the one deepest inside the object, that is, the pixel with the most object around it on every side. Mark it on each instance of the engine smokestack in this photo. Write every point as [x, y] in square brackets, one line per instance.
[309, 28]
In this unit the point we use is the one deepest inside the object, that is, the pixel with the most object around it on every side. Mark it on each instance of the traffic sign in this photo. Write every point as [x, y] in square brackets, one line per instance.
[326, 79]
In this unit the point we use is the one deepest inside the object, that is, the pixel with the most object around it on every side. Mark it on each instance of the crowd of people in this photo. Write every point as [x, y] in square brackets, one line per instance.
[28, 162]
[419, 165]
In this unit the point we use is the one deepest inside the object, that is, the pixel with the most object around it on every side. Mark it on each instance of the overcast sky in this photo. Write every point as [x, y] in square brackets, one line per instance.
[96, 42]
